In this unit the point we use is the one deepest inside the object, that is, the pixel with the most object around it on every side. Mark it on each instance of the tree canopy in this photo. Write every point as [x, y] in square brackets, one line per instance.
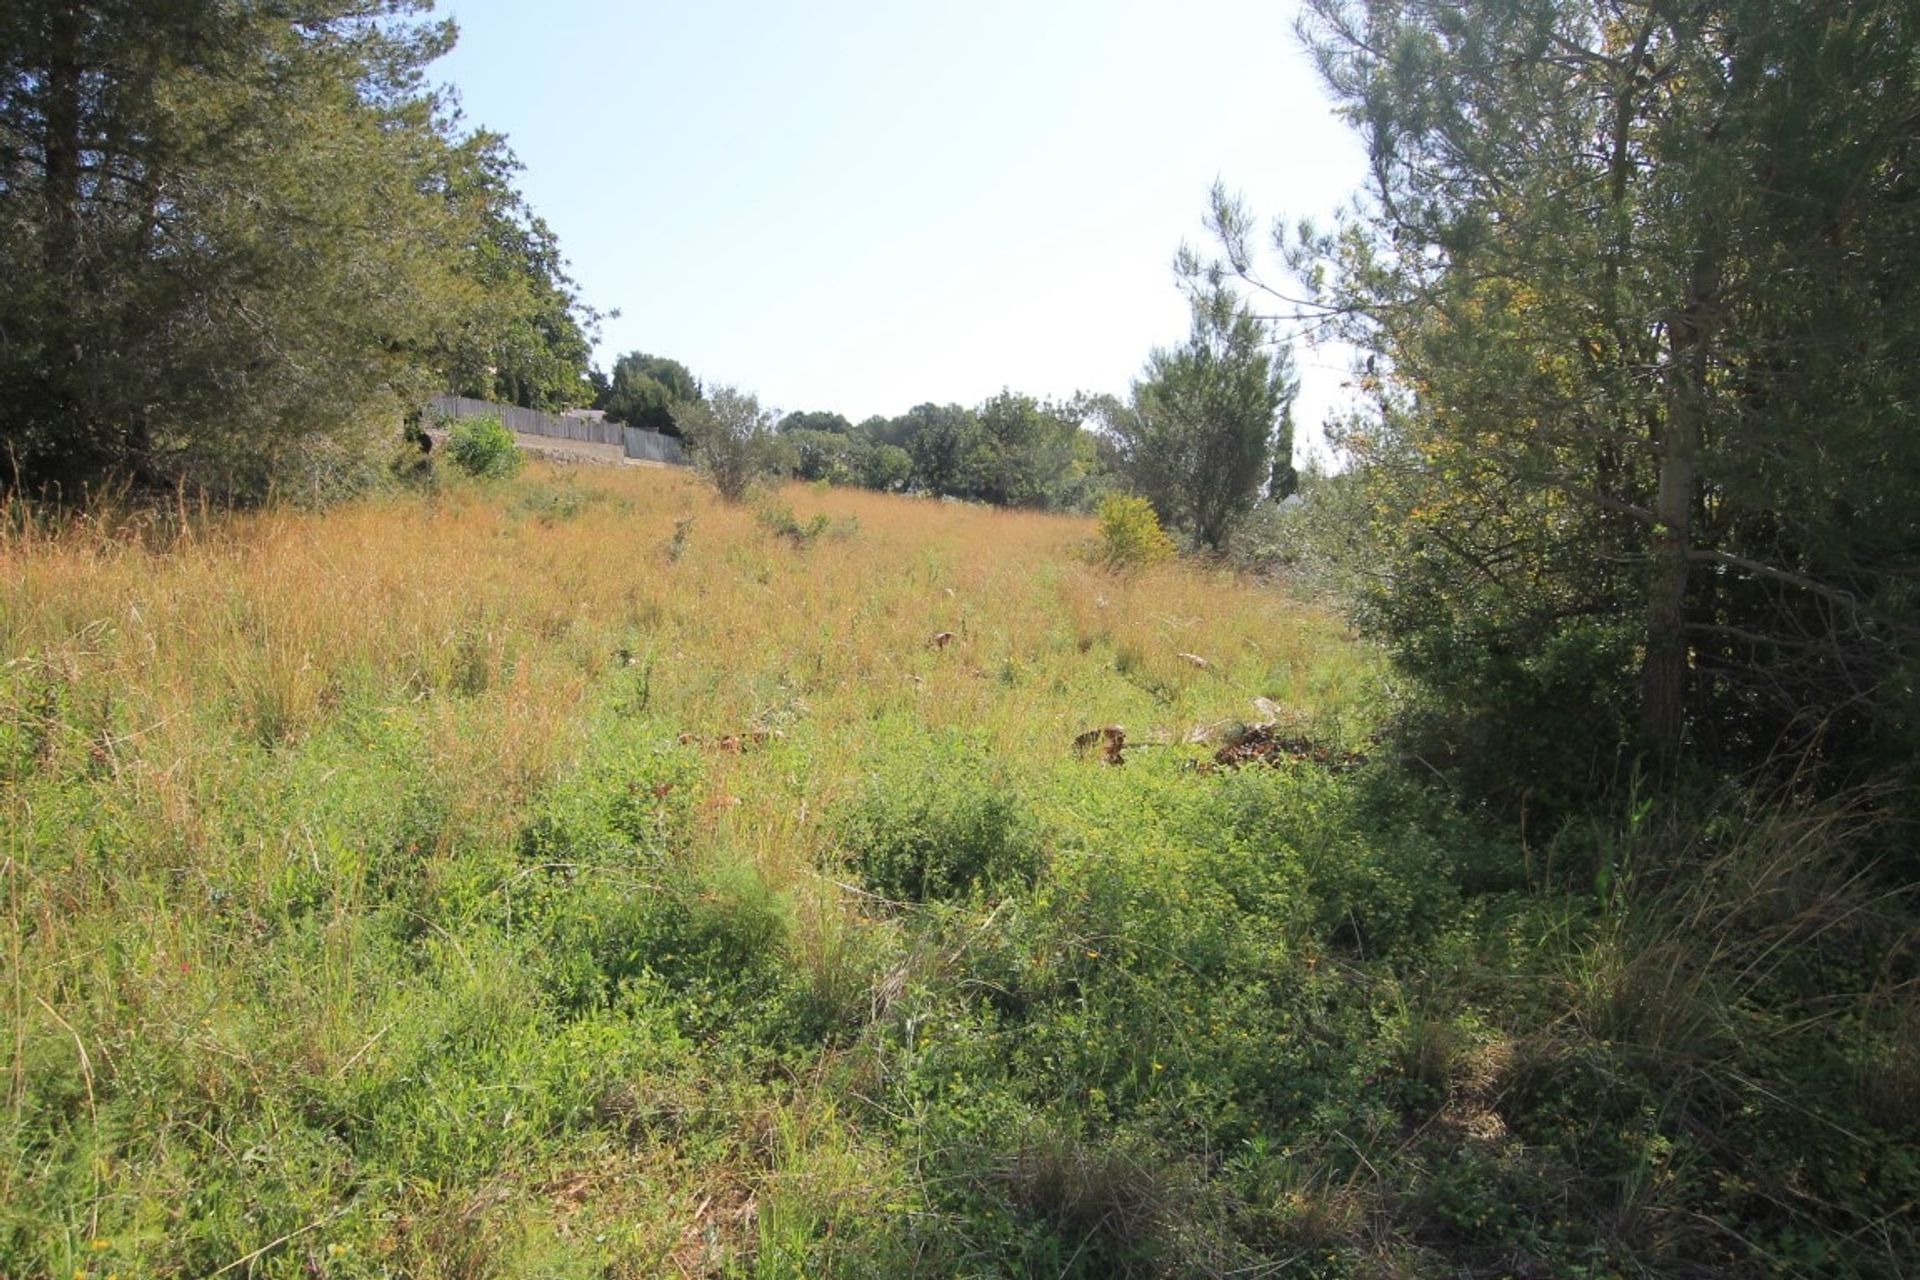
[653, 392]
[533, 343]
[242, 240]
[817, 420]
[1633, 281]
[1208, 419]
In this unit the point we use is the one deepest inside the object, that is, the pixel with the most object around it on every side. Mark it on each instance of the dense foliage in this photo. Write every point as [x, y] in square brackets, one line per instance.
[484, 448]
[1208, 421]
[1130, 533]
[1632, 280]
[1012, 450]
[241, 241]
[531, 343]
[651, 392]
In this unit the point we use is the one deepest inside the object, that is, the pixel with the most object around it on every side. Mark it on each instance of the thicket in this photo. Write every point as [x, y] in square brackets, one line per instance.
[1130, 533]
[484, 448]
[1627, 279]
[242, 243]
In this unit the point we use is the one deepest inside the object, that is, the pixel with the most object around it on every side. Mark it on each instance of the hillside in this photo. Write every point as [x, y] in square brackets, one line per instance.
[580, 877]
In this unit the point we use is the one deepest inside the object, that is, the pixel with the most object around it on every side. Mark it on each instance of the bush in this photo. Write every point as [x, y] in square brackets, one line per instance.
[778, 519]
[824, 455]
[940, 825]
[1130, 533]
[484, 448]
[732, 440]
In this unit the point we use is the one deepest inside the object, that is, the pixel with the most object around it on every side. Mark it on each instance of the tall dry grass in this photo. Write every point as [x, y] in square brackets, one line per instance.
[150, 653]
[165, 828]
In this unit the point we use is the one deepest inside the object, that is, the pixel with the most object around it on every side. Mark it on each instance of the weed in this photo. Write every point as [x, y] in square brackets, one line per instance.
[677, 545]
[779, 520]
[518, 907]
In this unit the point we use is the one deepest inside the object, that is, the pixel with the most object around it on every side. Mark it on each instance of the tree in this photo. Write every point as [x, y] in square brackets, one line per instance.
[941, 440]
[823, 455]
[732, 439]
[819, 420]
[1206, 419]
[651, 392]
[1013, 450]
[227, 238]
[533, 343]
[885, 467]
[1028, 453]
[1633, 281]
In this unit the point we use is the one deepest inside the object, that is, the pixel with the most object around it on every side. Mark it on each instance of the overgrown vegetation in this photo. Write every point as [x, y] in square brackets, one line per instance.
[1130, 533]
[501, 910]
[592, 874]
[1208, 421]
[484, 449]
[1639, 386]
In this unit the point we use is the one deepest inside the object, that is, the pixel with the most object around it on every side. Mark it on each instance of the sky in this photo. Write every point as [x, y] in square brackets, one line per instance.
[863, 205]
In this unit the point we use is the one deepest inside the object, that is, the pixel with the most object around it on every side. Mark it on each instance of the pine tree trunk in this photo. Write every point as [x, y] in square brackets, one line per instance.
[61, 143]
[62, 378]
[1664, 682]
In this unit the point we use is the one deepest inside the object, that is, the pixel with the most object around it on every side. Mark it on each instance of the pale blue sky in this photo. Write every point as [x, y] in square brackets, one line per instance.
[860, 206]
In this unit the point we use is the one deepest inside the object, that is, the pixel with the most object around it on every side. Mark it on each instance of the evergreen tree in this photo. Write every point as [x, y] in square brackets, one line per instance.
[1207, 419]
[1635, 278]
[651, 392]
[239, 240]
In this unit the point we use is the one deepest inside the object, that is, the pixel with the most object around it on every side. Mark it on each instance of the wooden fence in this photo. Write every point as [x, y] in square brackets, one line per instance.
[636, 442]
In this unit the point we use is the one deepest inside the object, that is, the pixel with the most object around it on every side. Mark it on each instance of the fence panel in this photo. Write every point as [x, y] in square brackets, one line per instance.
[638, 443]
[651, 446]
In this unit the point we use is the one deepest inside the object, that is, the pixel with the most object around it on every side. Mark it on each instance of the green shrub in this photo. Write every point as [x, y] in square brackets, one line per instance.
[940, 824]
[484, 449]
[886, 467]
[1130, 533]
[777, 518]
[732, 440]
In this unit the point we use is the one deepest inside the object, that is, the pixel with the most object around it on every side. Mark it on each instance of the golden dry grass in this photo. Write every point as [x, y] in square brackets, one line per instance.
[511, 612]
[351, 925]
[166, 827]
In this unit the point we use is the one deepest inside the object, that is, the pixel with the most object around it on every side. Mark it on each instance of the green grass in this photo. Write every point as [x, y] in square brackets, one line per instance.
[529, 911]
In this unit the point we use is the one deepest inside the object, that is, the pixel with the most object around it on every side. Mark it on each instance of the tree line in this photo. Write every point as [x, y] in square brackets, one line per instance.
[1205, 432]
[244, 242]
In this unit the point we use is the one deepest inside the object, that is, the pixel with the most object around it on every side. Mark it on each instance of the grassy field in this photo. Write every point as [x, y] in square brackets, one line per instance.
[582, 878]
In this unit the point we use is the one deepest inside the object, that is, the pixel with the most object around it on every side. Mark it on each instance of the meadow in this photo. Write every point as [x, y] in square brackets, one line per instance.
[578, 876]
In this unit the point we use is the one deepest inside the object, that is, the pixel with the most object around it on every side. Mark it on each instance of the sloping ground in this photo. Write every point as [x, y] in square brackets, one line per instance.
[580, 878]
[573, 450]
[556, 449]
